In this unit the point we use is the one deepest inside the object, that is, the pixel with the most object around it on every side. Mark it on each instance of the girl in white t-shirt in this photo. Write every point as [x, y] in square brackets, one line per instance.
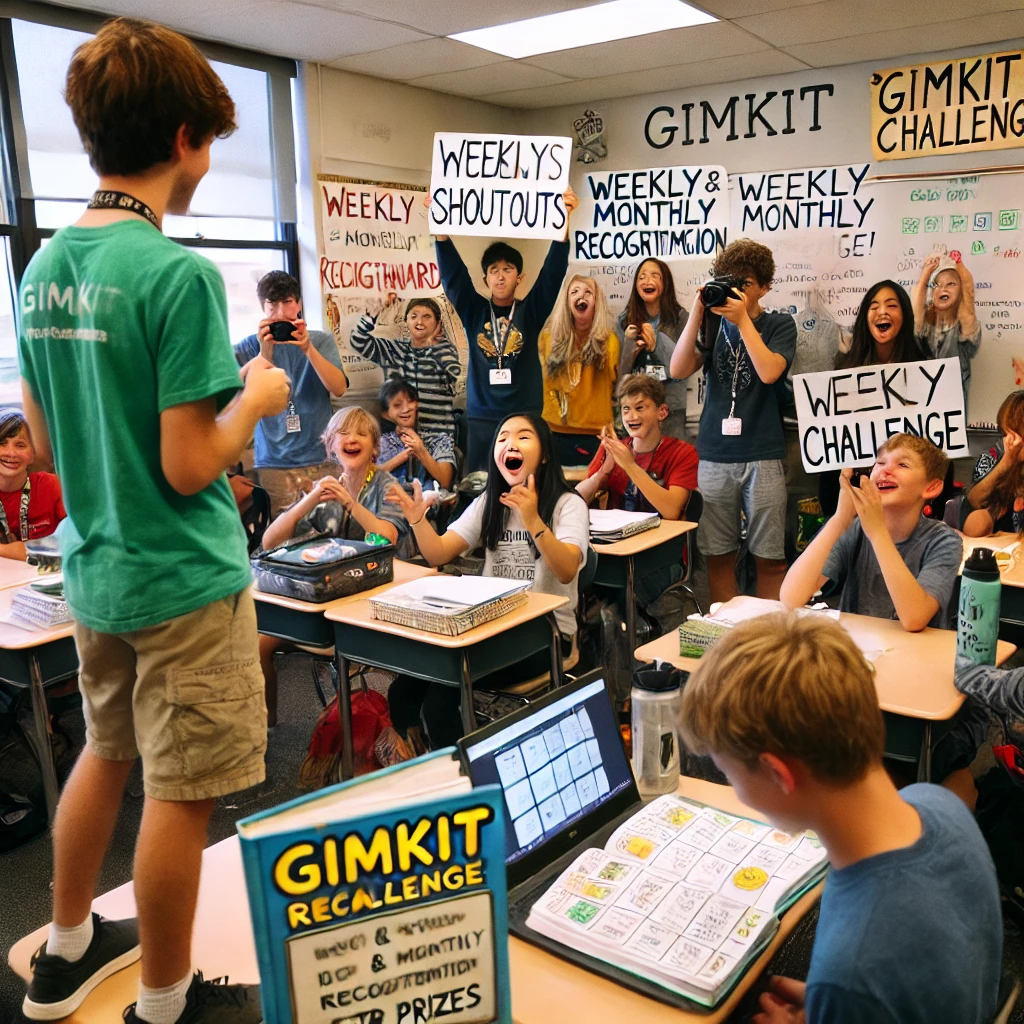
[533, 526]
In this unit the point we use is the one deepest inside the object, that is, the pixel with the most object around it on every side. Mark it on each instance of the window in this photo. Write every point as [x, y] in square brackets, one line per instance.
[242, 215]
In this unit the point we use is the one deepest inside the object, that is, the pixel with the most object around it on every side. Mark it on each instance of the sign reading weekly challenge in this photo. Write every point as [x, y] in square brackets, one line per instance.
[672, 213]
[952, 106]
[499, 185]
[844, 416]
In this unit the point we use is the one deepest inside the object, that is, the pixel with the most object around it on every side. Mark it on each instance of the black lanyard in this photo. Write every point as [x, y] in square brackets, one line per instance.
[5, 526]
[106, 200]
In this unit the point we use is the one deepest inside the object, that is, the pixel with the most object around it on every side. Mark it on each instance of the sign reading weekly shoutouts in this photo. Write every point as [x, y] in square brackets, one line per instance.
[844, 416]
[499, 185]
[952, 106]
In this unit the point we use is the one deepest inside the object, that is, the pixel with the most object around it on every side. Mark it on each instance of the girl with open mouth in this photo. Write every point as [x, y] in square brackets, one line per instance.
[882, 333]
[648, 329]
[579, 356]
[947, 325]
[533, 527]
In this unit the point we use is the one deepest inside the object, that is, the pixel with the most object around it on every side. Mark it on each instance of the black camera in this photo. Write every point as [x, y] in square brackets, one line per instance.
[719, 289]
[282, 330]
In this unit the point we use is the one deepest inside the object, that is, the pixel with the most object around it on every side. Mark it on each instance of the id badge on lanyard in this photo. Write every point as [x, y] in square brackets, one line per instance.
[292, 423]
[732, 425]
[501, 375]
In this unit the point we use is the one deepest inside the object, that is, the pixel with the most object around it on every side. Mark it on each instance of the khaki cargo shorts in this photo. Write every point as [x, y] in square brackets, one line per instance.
[186, 695]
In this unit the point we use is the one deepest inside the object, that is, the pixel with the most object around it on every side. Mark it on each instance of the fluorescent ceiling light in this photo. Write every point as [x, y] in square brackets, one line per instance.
[584, 26]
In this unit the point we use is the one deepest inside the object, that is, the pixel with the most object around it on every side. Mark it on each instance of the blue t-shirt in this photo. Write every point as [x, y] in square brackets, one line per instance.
[912, 936]
[758, 405]
[275, 447]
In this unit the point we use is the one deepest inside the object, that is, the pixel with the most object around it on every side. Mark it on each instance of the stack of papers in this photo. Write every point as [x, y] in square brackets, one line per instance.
[610, 524]
[449, 604]
[34, 609]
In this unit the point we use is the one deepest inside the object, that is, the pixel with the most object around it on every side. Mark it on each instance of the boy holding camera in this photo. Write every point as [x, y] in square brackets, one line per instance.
[745, 353]
[289, 449]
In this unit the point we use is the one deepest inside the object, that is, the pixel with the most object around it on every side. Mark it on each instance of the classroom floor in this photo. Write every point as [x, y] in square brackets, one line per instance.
[27, 870]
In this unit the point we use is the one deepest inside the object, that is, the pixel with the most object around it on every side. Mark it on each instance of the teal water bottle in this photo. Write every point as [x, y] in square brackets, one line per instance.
[977, 629]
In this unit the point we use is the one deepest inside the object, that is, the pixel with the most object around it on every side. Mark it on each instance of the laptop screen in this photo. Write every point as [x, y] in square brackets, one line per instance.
[557, 761]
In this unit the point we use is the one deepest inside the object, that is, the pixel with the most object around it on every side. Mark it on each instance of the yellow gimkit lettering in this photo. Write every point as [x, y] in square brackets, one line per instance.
[408, 846]
[310, 873]
[358, 856]
[471, 819]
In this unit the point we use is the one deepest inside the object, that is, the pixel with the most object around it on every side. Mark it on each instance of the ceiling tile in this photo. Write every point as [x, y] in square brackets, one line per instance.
[411, 60]
[742, 8]
[726, 69]
[882, 47]
[450, 16]
[661, 49]
[509, 74]
[836, 19]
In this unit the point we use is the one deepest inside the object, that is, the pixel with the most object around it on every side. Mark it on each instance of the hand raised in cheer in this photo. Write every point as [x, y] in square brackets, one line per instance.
[412, 441]
[330, 488]
[620, 452]
[412, 506]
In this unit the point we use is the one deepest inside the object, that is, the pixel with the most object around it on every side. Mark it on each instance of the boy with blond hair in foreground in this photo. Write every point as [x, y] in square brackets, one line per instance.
[889, 560]
[909, 928]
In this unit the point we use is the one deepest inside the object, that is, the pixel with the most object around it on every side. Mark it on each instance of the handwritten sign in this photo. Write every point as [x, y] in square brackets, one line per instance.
[952, 106]
[671, 213]
[844, 416]
[377, 255]
[499, 185]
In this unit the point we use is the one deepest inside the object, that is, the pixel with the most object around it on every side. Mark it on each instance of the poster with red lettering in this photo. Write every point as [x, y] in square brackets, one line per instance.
[376, 255]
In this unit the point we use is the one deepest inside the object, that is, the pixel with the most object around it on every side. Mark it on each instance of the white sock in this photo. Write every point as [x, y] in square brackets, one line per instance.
[69, 943]
[162, 1005]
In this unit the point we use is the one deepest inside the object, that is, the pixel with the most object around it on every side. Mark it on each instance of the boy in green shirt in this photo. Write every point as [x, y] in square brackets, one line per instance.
[130, 380]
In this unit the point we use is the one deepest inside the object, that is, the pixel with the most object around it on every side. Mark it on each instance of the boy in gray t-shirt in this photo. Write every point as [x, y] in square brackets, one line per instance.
[888, 559]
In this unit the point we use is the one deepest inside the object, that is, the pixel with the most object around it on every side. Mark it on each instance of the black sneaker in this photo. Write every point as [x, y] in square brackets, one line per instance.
[215, 1001]
[58, 987]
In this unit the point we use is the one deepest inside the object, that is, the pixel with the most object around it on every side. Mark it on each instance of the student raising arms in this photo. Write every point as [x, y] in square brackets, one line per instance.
[533, 527]
[995, 501]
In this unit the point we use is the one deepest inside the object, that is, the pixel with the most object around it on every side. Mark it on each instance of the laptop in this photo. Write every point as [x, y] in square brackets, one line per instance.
[568, 785]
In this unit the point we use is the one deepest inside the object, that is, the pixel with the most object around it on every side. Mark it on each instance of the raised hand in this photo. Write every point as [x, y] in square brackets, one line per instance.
[330, 488]
[524, 498]
[620, 452]
[412, 441]
[412, 506]
[868, 503]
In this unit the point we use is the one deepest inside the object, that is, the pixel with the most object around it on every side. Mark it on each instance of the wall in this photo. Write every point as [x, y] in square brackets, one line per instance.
[367, 128]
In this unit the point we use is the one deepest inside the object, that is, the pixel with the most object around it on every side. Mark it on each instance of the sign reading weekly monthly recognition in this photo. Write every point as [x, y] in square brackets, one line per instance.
[499, 185]
[964, 105]
[844, 416]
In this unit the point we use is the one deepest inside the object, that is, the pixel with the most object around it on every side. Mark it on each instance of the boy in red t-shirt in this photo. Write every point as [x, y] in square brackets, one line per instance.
[649, 473]
[31, 502]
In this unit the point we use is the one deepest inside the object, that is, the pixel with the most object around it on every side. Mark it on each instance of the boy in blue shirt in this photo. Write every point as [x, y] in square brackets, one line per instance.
[910, 929]
[289, 448]
[503, 376]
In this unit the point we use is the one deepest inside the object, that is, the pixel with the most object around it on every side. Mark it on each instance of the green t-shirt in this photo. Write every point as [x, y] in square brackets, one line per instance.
[117, 324]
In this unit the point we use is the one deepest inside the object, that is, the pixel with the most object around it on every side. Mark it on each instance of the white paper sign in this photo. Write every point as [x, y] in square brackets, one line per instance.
[844, 416]
[499, 185]
[672, 213]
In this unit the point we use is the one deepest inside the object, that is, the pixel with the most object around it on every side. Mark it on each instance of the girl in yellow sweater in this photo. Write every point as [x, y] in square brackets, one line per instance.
[579, 355]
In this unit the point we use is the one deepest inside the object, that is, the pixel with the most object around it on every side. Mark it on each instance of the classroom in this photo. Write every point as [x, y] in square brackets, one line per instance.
[511, 512]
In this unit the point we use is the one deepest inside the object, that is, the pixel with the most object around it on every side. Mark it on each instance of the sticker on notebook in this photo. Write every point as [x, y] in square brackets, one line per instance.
[750, 878]
[635, 846]
[615, 871]
[582, 912]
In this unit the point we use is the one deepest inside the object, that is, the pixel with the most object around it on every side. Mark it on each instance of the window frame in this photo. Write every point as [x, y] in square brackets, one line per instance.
[22, 226]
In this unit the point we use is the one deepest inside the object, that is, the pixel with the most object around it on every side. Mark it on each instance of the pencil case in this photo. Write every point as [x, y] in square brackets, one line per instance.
[323, 568]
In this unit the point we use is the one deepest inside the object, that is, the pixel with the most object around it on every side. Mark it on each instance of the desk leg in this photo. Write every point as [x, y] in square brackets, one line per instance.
[557, 677]
[345, 706]
[924, 763]
[468, 715]
[631, 610]
[42, 738]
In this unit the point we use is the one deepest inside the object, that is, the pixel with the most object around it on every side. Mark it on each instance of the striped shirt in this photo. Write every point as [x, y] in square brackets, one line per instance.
[432, 371]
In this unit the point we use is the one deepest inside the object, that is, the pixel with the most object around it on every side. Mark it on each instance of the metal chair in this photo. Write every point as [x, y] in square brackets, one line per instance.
[694, 510]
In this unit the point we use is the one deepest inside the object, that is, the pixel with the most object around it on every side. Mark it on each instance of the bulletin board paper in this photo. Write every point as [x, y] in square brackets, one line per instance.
[377, 254]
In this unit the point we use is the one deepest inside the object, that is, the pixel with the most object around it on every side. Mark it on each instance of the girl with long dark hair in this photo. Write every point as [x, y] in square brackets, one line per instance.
[533, 527]
[648, 329]
[882, 333]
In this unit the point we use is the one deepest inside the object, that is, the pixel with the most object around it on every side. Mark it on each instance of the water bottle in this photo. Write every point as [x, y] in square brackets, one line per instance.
[977, 629]
[654, 701]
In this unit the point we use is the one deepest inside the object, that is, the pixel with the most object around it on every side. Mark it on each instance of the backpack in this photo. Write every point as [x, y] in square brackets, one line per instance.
[21, 818]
